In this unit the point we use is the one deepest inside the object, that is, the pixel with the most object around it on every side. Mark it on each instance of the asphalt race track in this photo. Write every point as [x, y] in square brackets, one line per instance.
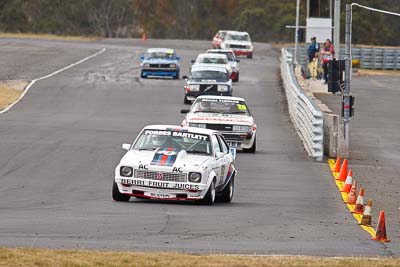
[60, 144]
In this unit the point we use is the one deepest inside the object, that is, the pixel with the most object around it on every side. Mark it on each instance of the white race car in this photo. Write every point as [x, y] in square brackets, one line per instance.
[233, 61]
[239, 42]
[229, 115]
[216, 59]
[176, 163]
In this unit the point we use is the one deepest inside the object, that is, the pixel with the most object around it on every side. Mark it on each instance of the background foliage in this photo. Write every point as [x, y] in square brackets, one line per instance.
[265, 20]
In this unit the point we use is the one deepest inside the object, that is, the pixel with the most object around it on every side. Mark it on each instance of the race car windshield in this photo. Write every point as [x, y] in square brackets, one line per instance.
[238, 37]
[173, 142]
[212, 60]
[223, 106]
[162, 55]
[210, 75]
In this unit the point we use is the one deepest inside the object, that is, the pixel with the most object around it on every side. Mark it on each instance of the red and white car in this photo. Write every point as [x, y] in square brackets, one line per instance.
[219, 37]
[239, 42]
[229, 115]
[233, 61]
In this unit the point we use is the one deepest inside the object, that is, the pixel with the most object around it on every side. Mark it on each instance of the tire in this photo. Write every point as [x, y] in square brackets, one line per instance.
[143, 76]
[252, 149]
[227, 194]
[209, 198]
[117, 196]
[237, 77]
[176, 77]
[186, 101]
[250, 55]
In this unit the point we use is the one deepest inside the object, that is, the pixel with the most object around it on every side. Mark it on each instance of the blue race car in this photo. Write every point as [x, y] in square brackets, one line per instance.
[160, 62]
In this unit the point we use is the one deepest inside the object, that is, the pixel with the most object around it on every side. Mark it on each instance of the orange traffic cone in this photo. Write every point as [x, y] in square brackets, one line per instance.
[144, 37]
[381, 229]
[366, 218]
[349, 182]
[359, 207]
[343, 171]
[336, 167]
[352, 196]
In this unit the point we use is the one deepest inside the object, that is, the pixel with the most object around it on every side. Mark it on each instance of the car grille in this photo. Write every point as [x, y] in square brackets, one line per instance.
[219, 127]
[238, 46]
[208, 87]
[161, 176]
[159, 66]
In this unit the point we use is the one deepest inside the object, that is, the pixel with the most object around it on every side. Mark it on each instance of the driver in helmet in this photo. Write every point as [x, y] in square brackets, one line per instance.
[159, 140]
[205, 106]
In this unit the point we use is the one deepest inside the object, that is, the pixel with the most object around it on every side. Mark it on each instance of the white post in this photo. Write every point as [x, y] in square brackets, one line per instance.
[296, 36]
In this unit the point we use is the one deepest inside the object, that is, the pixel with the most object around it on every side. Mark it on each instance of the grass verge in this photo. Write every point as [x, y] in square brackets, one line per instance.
[10, 91]
[46, 36]
[47, 257]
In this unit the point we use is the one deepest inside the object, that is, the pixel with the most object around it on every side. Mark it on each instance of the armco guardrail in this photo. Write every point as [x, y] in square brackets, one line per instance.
[370, 57]
[306, 117]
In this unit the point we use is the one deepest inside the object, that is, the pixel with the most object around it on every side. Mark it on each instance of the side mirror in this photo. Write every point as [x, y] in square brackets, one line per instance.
[141, 58]
[192, 61]
[184, 111]
[184, 77]
[237, 60]
[126, 146]
[219, 155]
[233, 152]
[178, 58]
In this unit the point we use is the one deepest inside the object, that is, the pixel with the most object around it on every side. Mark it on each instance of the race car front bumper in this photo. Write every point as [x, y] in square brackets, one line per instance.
[152, 189]
[161, 73]
[242, 52]
[239, 140]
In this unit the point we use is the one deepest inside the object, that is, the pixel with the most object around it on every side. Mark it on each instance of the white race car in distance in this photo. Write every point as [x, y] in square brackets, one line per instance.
[229, 115]
[233, 61]
[176, 163]
[215, 59]
[239, 42]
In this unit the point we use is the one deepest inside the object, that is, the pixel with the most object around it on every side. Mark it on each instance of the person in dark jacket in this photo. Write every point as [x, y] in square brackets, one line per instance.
[313, 52]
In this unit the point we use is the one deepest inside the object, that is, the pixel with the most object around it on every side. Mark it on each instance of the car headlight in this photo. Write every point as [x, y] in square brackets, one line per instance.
[172, 66]
[241, 128]
[146, 66]
[195, 177]
[222, 88]
[126, 171]
[197, 125]
[194, 87]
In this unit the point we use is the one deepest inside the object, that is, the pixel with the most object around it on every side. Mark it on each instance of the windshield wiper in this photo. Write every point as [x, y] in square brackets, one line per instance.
[207, 111]
[236, 112]
[148, 148]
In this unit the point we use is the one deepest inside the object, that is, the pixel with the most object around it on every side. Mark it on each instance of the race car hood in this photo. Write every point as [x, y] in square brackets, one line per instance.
[155, 158]
[159, 61]
[205, 81]
[215, 118]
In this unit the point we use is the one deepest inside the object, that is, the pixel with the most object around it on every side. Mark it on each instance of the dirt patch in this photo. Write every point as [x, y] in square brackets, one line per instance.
[46, 257]
[10, 91]
[47, 36]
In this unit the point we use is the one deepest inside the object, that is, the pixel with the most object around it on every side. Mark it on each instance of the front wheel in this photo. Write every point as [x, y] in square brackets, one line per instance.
[209, 198]
[117, 196]
[186, 101]
[227, 193]
[237, 77]
[176, 77]
[250, 55]
[252, 149]
[142, 75]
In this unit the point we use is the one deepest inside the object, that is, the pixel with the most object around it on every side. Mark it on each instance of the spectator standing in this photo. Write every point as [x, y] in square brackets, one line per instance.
[313, 51]
[327, 53]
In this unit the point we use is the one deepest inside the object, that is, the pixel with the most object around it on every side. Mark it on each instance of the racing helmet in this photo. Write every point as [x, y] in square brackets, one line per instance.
[159, 140]
[205, 105]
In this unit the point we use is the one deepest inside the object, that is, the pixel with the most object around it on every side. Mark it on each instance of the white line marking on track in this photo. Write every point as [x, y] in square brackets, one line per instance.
[51, 75]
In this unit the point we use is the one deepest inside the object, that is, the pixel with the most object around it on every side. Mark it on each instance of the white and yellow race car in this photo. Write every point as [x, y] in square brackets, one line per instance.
[229, 115]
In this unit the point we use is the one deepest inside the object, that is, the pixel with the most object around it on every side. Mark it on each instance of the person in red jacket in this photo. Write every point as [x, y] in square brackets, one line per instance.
[327, 53]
